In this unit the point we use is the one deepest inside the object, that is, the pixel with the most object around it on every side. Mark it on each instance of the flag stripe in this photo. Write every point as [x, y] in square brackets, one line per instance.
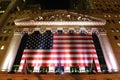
[60, 55]
[80, 35]
[64, 51]
[71, 47]
[72, 42]
[59, 58]
[63, 64]
[71, 38]
[56, 61]
[53, 53]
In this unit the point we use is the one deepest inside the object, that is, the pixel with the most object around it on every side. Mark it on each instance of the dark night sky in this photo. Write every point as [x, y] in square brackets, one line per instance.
[52, 4]
[56, 4]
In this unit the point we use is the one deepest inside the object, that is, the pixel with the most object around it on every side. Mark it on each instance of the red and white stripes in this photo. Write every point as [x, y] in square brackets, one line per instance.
[70, 49]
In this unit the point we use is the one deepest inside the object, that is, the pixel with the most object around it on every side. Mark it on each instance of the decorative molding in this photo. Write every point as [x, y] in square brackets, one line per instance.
[60, 18]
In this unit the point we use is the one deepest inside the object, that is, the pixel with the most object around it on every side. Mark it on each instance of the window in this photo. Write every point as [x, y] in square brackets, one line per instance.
[59, 31]
[118, 44]
[109, 5]
[1, 37]
[9, 79]
[8, 23]
[74, 69]
[115, 5]
[44, 69]
[118, 5]
[9, 31]
[18, 8]
[12, 23]
[108, 21]
[117, 30]
[109, 15]
[24, 1]
[115, 15]
[113, 21]
[6, 38]
[119, 21]
[108, 79]
[96, 5]
[71, 31]
[105, 16]
[111, 9]
[100, 5]
[5, 31]
[93, 79]
[112, 30]
[2, 47]
[98, 8]
[116, 37]
[0, 31]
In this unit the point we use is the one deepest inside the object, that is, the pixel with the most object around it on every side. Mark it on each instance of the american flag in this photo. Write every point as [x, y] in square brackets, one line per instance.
[70, 49]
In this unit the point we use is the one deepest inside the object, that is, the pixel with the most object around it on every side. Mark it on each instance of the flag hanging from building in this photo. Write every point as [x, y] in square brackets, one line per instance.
[71, 49]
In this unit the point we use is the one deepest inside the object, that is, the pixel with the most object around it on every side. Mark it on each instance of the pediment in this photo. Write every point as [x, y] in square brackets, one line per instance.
[59, 18]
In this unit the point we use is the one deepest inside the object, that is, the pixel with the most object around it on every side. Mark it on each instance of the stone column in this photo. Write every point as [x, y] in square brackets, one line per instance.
[108, 52]
[11, 52]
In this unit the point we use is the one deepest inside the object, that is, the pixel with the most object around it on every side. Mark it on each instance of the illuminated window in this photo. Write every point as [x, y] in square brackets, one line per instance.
[118, 44]
[18, 8]
[24, 1]
[5, 31]
[112, 2]
[105, 16]
[1, 12]
[2, 47]
[117, 30]
[109, 16]
[119, 21]
[112, 30]
[115, 15]
[9, 31]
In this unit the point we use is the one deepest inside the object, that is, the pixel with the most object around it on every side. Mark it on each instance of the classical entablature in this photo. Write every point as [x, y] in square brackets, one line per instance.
[60, 17]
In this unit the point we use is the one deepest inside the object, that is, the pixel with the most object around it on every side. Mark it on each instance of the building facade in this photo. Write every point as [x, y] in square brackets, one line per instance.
[108, 33]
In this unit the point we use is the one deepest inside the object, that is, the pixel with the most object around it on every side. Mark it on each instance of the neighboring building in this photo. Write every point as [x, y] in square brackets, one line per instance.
[98, 17]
